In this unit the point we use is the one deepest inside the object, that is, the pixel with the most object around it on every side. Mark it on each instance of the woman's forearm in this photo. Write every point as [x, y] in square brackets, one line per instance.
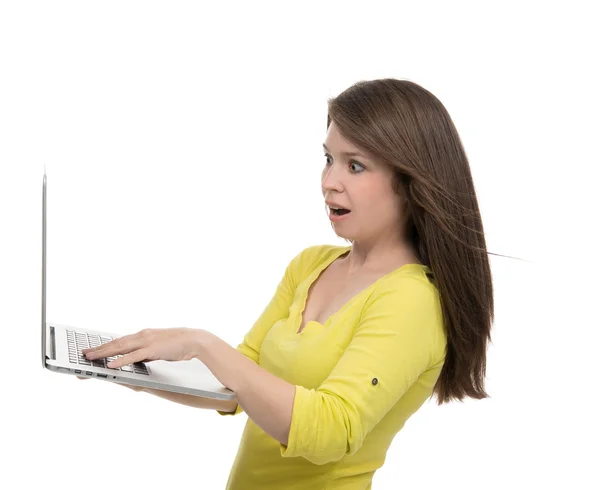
[265, 398]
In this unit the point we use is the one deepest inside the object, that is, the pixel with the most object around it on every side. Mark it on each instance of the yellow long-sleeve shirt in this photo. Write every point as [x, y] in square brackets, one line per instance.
[359, 376]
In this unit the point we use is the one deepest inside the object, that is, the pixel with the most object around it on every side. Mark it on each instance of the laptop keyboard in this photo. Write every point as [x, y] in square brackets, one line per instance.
[78, 341]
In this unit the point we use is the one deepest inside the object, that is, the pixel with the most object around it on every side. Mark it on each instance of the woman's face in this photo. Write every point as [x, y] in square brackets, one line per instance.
[362, 185]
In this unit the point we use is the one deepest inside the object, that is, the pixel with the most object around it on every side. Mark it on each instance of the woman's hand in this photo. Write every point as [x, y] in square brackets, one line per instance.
[168, 344]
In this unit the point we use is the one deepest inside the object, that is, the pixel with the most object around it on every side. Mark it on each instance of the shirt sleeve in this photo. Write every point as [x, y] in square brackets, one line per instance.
[395, 341]
[277, 309]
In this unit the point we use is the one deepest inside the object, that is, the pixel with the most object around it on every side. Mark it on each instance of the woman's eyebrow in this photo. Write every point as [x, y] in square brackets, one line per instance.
[348, 153]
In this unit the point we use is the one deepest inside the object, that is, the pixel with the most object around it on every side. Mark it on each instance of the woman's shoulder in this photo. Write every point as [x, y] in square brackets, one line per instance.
[312, 257]
[320, 253]
[315, 255]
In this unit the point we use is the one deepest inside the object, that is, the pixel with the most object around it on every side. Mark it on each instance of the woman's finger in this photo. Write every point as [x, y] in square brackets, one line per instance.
[122, 345]
[92, 352]
[131, 358]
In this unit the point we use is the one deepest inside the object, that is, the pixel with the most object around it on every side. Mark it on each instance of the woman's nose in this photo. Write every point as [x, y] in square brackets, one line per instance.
[330, 179]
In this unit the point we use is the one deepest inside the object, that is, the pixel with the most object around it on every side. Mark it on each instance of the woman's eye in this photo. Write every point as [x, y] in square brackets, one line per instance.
[352, 162]
[356, 163]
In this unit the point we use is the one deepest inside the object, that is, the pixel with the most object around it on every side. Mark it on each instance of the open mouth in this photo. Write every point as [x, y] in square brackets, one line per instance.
[340, 212]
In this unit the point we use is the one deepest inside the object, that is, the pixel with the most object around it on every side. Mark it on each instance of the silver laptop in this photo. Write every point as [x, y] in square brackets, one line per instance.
[62, 346]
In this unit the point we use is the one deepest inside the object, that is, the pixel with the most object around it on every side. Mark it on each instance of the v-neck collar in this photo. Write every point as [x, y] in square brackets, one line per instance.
[315, 275]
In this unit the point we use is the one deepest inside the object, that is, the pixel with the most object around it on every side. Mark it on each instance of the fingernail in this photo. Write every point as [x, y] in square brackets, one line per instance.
[110, 364]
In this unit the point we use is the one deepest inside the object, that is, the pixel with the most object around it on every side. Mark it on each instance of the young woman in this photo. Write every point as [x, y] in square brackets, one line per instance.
[358, 337]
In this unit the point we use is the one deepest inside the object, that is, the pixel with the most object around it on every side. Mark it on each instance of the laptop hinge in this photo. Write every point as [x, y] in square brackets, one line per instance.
[51, 345]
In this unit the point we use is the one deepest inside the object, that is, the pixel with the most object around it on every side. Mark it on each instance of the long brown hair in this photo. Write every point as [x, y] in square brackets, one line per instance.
[407, 127]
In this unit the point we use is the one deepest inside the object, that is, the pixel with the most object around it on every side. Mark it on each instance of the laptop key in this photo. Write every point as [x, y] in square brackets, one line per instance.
[139, 369]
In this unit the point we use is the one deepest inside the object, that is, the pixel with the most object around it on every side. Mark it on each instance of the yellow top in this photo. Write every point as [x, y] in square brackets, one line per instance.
[358, 377]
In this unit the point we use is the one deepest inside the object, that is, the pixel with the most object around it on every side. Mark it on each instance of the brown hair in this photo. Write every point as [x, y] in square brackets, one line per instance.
[407, 127]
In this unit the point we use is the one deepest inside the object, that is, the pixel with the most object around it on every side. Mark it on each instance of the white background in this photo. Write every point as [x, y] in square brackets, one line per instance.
[183, 150]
